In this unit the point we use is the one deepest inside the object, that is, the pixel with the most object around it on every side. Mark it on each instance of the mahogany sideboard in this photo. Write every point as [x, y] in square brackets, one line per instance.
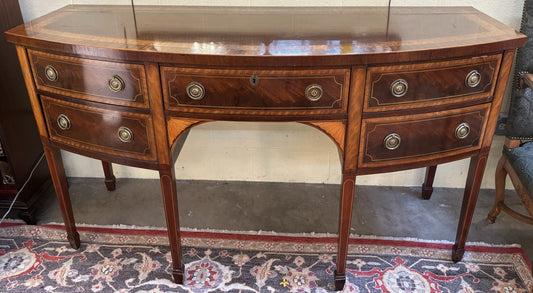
[394, 88]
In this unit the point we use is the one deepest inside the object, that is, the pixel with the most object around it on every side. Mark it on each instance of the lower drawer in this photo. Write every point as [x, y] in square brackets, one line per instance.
[405, 139]
[102, 130]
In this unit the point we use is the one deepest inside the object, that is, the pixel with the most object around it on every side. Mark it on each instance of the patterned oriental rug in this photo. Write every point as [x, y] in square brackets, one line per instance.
[38, 259]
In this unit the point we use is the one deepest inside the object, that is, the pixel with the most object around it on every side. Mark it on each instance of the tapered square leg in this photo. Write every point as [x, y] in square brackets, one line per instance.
[473, 183]
[109, 177]
[170, 201]
[177, 275]
[340, 280]
[457, 253]
[427, 186]
[345, 219]
[57, 172]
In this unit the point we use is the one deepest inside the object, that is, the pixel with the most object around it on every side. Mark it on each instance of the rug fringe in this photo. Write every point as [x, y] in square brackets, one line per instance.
[273, 233]
[14, 221]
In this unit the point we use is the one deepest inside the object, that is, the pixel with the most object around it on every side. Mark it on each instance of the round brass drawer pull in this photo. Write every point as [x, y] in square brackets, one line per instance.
[399, 88]
[116, 84]
[462, 131]
[195, 90]
[473, 78]
[63, 122]
[51, 73]
[314, 92]
[125, 134]
[392, 141]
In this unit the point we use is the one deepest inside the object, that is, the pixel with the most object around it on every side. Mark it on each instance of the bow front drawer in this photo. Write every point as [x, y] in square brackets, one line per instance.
[107, 82]
[406, 139]
[102, 130]
[320, 91]
[428, 84]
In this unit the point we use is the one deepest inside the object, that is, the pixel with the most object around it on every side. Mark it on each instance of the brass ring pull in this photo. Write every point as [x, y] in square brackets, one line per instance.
[399, 87]
[462, 131]
[51, 73]
[195, 90]
[116, 84]
[392, 141]
[313, 92]
[125, 134]
[63, 122]
[473, 78]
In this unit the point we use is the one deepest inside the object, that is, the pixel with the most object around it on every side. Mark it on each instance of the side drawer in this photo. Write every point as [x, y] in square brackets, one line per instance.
[107, 82]
[197, 89]
[112, 132]
[404, 139]
[428, 84]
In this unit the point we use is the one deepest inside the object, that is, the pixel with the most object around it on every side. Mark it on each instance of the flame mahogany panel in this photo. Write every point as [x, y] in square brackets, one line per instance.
[430, 84]
[268, 36]
[275, 89]
[422, 136]
[354, 53]
[96, 129]
[88, 79]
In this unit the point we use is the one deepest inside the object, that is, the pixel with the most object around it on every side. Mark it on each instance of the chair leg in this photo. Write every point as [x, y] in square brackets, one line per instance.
[427, 187]
[522, 193]
[500, 176]
[109, 177]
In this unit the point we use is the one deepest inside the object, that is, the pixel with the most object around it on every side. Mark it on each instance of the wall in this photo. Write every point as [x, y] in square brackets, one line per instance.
[280, 152]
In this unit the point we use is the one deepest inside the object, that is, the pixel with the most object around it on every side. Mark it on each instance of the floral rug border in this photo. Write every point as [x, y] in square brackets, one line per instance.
[284, 243]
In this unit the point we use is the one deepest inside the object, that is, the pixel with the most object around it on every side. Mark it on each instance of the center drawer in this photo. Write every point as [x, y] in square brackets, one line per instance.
[315, 91]
[407, 139]
[101, 130]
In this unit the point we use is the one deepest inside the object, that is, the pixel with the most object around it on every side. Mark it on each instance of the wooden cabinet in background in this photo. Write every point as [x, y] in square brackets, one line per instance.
[20, 146]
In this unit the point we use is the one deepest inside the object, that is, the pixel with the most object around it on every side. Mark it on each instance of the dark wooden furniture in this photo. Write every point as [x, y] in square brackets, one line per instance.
[20, 146]
[517, 157]
[394, 89]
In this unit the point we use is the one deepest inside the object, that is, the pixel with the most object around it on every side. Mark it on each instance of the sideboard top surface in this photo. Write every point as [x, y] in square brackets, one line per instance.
[207, 34]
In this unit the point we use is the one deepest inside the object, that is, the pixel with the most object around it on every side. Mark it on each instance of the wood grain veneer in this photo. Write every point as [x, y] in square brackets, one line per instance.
[268, 36]
[97, 129]
[422, 136]
[88, 79]
[430, 84]
[354, 54]
[274, 89]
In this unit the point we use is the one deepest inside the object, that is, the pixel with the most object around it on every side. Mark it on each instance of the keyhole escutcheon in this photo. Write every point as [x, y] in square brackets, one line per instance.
[254, 80]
